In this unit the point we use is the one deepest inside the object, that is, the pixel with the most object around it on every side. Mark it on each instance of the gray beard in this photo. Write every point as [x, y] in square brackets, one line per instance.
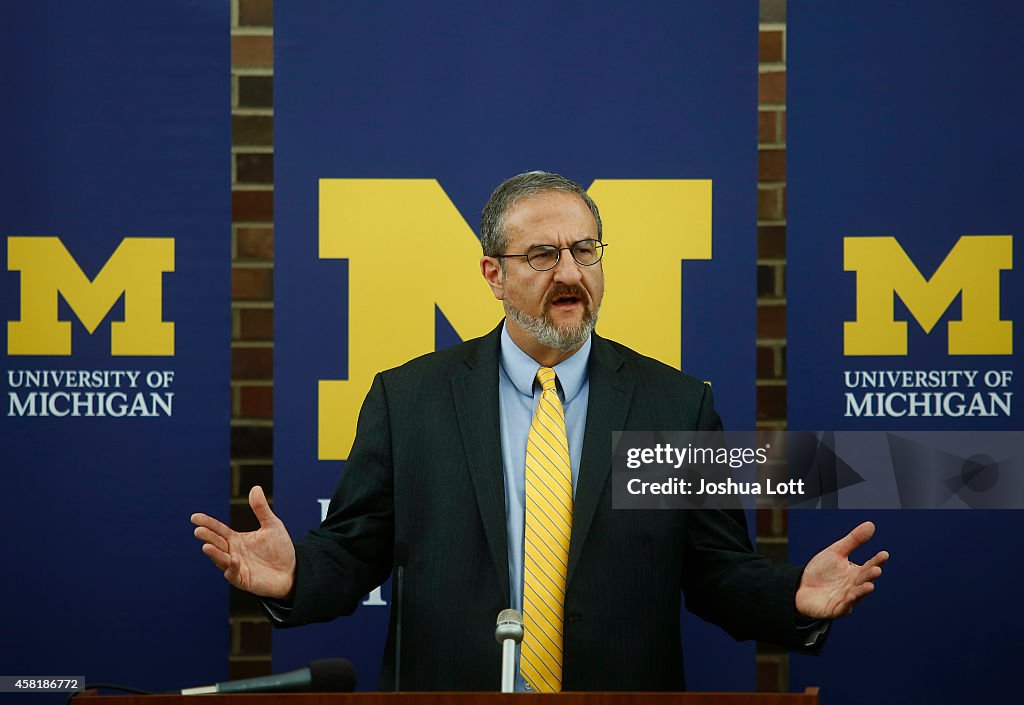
[548, 334]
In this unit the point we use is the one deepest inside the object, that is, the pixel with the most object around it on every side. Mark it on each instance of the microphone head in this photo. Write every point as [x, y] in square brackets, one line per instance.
[332, 675]
[510, 626]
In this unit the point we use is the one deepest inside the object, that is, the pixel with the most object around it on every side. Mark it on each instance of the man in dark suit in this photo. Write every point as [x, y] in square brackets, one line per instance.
[489, 465]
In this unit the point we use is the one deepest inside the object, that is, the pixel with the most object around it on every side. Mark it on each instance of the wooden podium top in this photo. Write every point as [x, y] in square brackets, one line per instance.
[809, 697]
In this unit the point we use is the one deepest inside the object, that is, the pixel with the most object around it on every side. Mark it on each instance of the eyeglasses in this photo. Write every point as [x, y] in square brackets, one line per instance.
[545, 257]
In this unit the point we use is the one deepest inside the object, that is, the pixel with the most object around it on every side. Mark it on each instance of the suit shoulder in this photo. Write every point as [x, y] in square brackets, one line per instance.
[667, 399]
[656, 372]
[436, 363]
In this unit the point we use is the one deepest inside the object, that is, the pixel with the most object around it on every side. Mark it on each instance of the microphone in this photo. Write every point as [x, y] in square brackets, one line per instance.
[335, 675]
[401, 554]
[509, 633]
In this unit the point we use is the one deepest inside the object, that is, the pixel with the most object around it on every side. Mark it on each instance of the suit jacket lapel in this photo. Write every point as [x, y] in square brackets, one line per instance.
[476, 403]
[611, 392]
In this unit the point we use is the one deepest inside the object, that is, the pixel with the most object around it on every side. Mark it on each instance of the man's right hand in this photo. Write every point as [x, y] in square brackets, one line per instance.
[261, 562]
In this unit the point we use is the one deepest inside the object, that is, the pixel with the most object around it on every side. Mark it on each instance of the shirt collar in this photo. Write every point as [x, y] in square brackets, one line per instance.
[522, 369]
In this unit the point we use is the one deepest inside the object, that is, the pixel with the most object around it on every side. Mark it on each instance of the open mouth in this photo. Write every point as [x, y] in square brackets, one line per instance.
[566, 301]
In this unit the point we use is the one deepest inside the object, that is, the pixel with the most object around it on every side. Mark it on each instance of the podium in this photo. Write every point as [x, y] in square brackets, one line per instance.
[808, 697]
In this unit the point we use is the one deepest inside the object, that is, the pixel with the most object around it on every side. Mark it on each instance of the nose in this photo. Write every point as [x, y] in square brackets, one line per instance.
[567, 271]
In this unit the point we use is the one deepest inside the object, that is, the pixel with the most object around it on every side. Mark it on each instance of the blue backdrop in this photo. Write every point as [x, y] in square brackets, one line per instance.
[904, 122]
[116, 125]
[470, 94]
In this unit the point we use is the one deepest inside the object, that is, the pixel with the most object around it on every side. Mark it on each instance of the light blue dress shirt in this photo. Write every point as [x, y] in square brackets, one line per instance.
[518, 395]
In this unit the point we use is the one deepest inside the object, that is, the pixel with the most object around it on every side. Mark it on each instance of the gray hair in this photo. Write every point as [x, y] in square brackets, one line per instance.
[493, 237]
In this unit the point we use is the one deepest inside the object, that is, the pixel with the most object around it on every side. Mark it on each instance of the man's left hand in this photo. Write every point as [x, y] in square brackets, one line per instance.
[831, 584]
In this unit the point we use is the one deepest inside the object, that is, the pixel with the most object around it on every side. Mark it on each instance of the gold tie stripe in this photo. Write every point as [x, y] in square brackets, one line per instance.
[546, 549]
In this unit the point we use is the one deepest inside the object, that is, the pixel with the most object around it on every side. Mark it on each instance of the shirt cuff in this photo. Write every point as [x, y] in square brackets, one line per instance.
[276, 611]
[812, 631]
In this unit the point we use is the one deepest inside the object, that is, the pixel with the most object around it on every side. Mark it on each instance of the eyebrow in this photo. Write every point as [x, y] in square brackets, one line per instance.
[582, 239]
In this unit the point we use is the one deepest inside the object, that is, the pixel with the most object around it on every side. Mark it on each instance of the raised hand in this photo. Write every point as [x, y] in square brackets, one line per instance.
[831, 585]
[261, 562]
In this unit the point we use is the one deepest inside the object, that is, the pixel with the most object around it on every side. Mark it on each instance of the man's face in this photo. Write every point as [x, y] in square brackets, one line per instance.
[556, 309]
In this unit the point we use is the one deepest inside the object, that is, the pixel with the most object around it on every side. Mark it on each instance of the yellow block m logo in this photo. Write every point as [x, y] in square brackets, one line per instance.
[971, 269]
[410, 250]
[47, 269]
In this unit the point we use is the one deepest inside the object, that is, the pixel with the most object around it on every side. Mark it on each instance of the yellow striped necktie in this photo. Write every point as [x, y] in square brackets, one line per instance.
[546, 548]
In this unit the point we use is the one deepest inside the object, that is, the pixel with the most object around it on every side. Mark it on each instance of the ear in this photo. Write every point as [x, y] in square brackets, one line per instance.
[490, 267]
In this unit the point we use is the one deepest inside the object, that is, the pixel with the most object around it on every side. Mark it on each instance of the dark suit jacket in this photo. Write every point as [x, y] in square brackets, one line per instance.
[426, 469]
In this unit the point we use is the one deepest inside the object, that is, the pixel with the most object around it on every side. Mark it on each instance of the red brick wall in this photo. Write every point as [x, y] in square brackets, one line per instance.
[252, 299]
[253, 308]
[772, 663]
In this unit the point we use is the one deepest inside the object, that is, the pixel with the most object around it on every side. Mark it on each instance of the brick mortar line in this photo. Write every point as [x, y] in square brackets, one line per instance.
[254, 304]
[245, 30]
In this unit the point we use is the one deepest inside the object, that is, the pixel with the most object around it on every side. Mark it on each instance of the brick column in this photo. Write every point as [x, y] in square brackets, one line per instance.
[772, 662]
[252, 300]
